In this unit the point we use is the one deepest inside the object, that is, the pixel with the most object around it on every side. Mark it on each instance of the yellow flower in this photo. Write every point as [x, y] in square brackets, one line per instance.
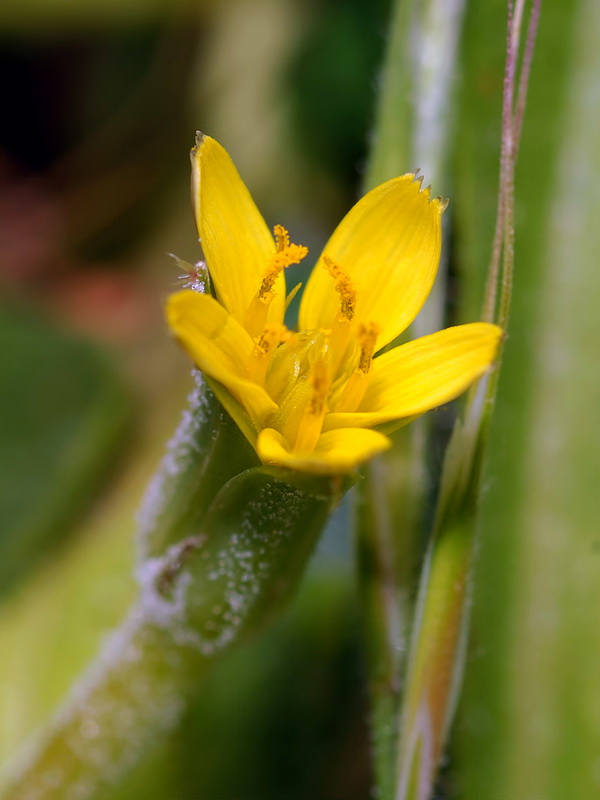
[309, 400]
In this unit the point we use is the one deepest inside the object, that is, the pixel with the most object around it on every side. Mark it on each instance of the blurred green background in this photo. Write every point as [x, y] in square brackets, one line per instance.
[100, 102]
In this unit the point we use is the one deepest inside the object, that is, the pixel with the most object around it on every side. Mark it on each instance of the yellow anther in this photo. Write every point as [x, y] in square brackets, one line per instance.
[367, 337]
[282, 238]
[344, 286]
[356, 385]
[285, 255]
[310, 423]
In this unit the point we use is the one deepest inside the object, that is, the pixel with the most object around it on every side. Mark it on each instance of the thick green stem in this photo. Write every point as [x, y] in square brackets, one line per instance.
[132, 695]
[439, 635]
[205, 594]
[412, 129]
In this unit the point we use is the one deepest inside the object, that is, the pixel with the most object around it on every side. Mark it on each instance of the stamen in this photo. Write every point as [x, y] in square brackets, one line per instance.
[367, 337]
[354, 390]
[272, 335]
[311, 421]
[282, 238]
[298, 380]
[285, 255]
[344, 286]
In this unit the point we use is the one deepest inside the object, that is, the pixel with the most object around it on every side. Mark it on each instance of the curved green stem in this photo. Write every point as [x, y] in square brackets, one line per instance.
[219, 584]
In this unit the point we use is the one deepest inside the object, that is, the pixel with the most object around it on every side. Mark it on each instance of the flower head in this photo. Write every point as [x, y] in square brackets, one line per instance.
[310, 399]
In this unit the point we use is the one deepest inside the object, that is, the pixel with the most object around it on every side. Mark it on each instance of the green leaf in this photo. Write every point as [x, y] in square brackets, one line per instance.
[254, 545]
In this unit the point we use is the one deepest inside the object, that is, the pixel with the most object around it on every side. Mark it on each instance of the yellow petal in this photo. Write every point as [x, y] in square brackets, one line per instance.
[220, 347]
[389, 247]
[236, 241]
[336, 452]
[423, 374]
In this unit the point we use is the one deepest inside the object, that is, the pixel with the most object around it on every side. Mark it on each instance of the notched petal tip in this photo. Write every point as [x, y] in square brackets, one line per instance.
[440, 203]
[388, 245]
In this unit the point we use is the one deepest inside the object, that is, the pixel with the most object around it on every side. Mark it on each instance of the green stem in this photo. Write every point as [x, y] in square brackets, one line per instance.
[412, 128]
[392, 135]
[132, 694]
[384, 608]
[439, 635]
[441, 620]
[436, 658]
[204, 595]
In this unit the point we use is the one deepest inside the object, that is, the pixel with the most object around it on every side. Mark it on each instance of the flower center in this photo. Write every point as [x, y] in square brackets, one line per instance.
[298, 378]
[271, 337]
[308, 373]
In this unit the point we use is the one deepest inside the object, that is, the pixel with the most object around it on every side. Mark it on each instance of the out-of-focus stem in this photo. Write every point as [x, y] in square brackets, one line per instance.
[383, 581]
[205, 594]
[392, 133]
[134, 693]
[439, 634]
[412, 129]
[441, 619]
[441, 610]
[526, 69]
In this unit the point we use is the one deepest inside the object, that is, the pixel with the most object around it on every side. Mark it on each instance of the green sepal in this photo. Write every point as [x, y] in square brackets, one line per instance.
[249, 552]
